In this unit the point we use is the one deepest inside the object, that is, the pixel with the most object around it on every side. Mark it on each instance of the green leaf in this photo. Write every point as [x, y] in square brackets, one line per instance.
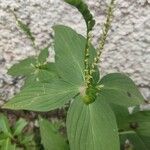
[138, 122]
[51, 138]
[43, 96]
[135, 142]
[7, 145]
[3, 137]
[23, 68]
[122, 114]
[19, 126]
[27, 139]
[43, 55]
[33, 72]
[92, 127]
[4, 126]
[1, 142]
[120, 89]
[69, 49]
[41, 75]
[83, 9]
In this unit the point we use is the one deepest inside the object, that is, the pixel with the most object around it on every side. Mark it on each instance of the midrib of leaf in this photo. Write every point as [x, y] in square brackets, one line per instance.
[77, 127]
[91, 127]
[54, 102]
[8, 134]
[7, 142]
[4, 125]
[44, 95]
[82, 129]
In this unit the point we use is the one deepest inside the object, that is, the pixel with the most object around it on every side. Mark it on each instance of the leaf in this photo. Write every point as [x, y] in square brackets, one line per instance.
[43, 96]
[41, 75]
[3, 137]
[27, 140]
[135, 143]
[33, 73]
[51, 138]
[1, 142]
[83, 9]
[133, 126]
[23, 68]
[69, 49]
[7, 145]
[4, 126]
[120, 89]
[92, 127]
[19, 126]
[43, 55]
[122, 114]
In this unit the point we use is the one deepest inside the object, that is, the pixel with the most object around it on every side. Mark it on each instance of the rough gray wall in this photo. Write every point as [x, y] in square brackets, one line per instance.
[128, 44]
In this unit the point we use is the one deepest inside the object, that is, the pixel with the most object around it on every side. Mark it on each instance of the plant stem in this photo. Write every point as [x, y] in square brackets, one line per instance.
[26, 30]
[86, 60]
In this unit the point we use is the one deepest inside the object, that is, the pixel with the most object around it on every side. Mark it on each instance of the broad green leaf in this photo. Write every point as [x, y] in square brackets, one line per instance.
[92, 127]
[19, 126]
[50, 136]
[7, 145]
[83, 9]
[23, 68]
[4, 126]
[69, 49]
[43, 96]
[43, 55]
[138, 122]
[120, 89]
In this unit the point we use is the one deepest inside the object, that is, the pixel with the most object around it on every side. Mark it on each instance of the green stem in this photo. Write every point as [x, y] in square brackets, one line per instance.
[19, 23]
[86, 61]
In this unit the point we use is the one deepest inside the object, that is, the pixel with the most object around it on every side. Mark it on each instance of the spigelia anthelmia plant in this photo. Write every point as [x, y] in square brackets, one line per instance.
[98, 116]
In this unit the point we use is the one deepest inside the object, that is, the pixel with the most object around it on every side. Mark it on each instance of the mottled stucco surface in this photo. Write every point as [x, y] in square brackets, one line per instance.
[127, 49]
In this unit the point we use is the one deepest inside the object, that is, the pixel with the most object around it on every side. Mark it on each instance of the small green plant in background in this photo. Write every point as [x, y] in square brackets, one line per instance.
[98, 116]
[13, 137]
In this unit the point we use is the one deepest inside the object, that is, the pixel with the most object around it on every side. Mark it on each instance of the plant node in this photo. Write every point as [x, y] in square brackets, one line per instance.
[88, 95]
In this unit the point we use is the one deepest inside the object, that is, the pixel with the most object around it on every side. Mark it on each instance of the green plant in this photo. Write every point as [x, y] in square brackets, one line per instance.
[13, 137]
[50, 136]
[98, 116]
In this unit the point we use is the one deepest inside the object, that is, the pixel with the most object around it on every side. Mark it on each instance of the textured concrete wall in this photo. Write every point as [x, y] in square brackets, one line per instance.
[128, 44]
